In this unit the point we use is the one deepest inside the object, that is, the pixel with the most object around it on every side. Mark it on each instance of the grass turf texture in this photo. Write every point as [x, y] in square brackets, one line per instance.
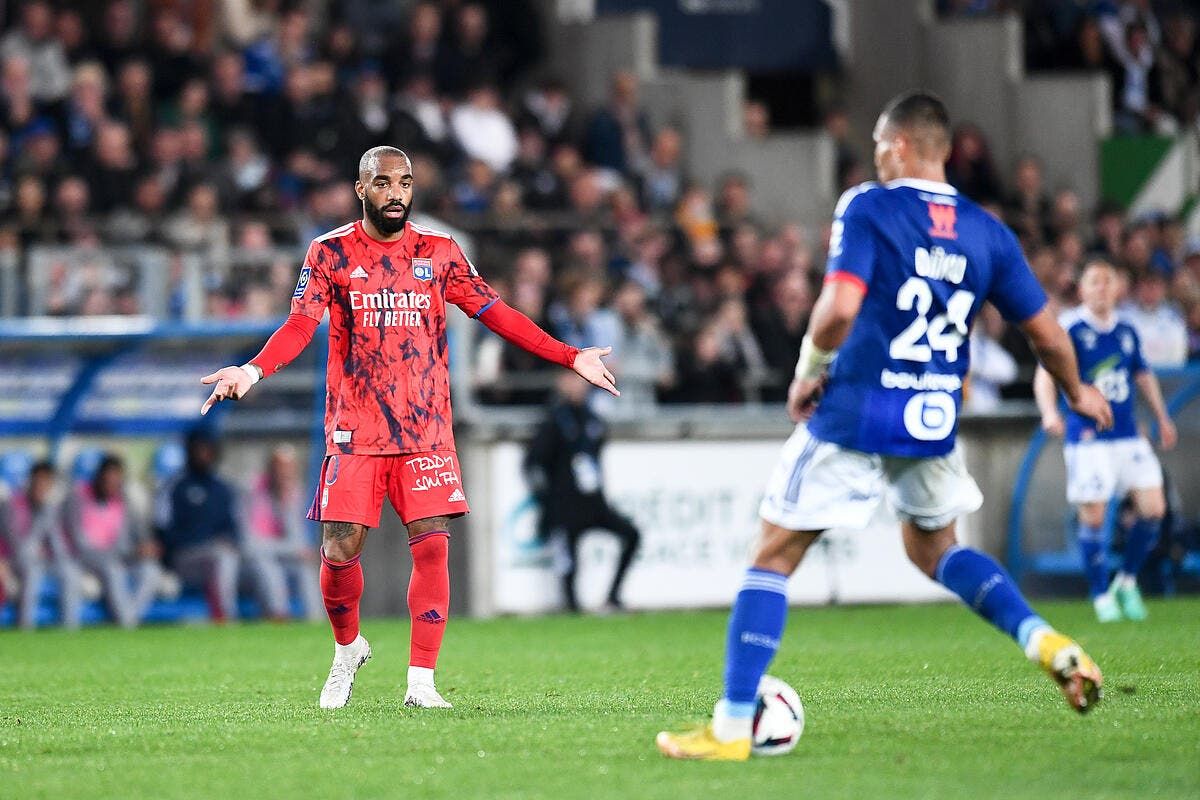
[901, 702]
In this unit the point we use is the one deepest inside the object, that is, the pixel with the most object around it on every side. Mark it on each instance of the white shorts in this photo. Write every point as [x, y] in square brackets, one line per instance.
[1098, 471]
[819, 485]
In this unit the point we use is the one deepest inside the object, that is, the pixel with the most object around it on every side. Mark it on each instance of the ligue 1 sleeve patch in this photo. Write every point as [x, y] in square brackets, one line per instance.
[302, 284]
[422, 269]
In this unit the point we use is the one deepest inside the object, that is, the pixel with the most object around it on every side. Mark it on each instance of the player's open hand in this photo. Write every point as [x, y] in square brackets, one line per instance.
[1091, 404]
[1167, 435]
[803, 396]
[1054, 425]
[232, 383]
[590, 367]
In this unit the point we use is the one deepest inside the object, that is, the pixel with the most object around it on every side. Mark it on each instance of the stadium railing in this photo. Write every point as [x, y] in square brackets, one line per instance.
[1065, 561]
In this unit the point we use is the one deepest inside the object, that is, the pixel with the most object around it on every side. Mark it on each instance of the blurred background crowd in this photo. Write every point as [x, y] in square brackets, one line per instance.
[104, 535]
[227, 131]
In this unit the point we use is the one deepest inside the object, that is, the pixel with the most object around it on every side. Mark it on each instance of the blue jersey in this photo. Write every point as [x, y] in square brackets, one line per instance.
[927, 258]
[1109, 359]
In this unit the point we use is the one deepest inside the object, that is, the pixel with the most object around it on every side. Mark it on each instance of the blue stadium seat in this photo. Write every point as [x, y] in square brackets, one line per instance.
[15, 466]
[87, 461]
[169, 459]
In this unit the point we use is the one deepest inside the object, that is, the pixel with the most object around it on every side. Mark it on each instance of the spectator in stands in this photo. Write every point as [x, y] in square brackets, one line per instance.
[662, 176]
[419, 51]
[72, 33]
[562, 467]
[1028, 206]
[1136, 90]
[112, 540]
[483, 130]
[277, 548]
[756, 119]
[550, 109]
[198, 529]
[200, 229]
[734, 203]
[469, 60]
[582, 321]
[114, 169]
[134, 103]
[473, 193]
[970, 168]
[1177, 70]
[33, 532]
[34, 41]
[706, 372]
[618, 133]
[779, 327]
[85, 109]
[641, 352]
[992, 367]
[30, 217]
[119, 40]
[244, 177]
[1159, 325]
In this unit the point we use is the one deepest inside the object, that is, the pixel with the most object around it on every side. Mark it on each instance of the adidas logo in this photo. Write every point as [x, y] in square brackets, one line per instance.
[431, 616]
[456, 497]
[359, 272]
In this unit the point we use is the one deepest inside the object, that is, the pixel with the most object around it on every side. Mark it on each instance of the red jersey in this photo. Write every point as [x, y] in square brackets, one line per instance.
[388, 381]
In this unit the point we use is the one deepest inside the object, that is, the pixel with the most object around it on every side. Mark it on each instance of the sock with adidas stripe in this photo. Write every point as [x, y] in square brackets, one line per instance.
[341, 589]
[428, 596]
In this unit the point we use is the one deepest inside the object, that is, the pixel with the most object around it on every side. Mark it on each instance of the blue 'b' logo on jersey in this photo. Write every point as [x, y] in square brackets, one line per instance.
[422, 269]
[302, 284]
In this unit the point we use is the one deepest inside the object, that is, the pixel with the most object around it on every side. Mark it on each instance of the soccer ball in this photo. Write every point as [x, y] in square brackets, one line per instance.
[778, 719]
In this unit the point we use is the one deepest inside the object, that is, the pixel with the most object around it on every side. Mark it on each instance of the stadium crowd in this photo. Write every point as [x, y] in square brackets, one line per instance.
[96, 530]
[1148, 47]
[223, 130]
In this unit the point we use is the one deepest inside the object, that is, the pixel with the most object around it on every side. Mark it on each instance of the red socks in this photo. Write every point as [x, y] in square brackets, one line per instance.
[342, 588]
[428, 596]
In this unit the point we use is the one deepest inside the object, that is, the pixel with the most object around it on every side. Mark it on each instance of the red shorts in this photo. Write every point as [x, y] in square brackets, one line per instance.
[420, 485]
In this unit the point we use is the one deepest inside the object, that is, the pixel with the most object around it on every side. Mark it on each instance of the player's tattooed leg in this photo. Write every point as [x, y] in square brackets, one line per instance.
[419, 527]
[342, 541]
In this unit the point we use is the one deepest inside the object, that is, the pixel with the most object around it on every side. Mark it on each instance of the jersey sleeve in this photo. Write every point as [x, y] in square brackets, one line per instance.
[1015, 291]
[464, 287]
[852, 246]
[312, 294]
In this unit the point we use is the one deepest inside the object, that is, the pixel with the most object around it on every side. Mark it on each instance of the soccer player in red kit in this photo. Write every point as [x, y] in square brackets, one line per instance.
[386, 283]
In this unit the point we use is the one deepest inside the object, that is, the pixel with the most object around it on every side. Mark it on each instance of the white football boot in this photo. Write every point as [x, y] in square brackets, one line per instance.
[421, 691]
[347, 658]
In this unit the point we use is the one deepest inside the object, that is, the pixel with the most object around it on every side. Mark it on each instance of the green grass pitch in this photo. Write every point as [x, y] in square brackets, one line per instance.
[901, 702]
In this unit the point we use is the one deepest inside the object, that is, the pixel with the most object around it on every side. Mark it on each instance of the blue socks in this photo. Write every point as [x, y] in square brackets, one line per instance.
[1142, 538]
[987, 588]
[1095, 559]
[755, 627]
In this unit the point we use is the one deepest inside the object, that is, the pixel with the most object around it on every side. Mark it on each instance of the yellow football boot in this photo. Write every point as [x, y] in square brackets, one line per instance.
[701, 745]
[1073, 670]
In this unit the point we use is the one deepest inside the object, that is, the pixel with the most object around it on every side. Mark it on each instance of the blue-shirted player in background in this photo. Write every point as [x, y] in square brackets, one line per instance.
[1102, 465]
[910, 263]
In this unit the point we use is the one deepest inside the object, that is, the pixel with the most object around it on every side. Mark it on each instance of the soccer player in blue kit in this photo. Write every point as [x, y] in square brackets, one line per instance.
[877, 392]
[1102, 465]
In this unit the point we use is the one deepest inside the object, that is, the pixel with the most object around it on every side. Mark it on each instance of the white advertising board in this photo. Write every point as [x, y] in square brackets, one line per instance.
[696, 504]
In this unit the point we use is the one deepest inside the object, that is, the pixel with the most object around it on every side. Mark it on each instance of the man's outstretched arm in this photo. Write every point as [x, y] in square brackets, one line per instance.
[288, 341]
[519, 329]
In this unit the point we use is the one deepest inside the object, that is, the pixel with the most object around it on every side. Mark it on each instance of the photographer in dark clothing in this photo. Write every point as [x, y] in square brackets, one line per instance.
[562, 466]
